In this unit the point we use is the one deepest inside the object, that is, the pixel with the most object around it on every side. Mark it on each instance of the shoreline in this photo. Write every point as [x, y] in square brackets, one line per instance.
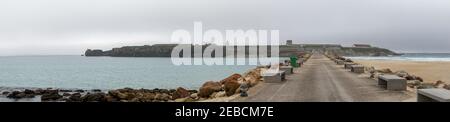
[222, 92]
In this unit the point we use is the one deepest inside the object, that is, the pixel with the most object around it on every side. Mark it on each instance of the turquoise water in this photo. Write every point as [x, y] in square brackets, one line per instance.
[107, 72]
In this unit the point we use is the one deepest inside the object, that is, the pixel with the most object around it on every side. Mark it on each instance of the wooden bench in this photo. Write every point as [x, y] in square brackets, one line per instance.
[357, 68]
[348, 65]
[270, 77]
[433, 95]
[392, 82]
[287, 69]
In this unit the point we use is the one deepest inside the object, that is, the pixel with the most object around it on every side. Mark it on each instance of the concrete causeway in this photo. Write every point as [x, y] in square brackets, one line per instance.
[321, 80]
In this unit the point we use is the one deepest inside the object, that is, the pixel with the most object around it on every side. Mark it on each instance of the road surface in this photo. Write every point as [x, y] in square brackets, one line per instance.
[321, 80]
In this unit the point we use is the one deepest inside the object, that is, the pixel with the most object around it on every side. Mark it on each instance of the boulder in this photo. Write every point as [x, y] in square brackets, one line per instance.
[96, 90]
[49, 91]
[180, 93]
[214, 85]
[409, 77]
[231, 87]
[50, 96]
[426, 86]
[372, 75]
[5, 92]
[148, 97]
[419, 78]
[413, 83]
[66, 94]
[194, 95]
[65, 90]
[252, 81]
[164, 91]
[125, 90]
[205, 92]
[162, 97]
[193, 91]
[122, 94]
[231, 78]
[39, 91]
[437, 83]
[126, 95]
[348, 60]
[446, 86]
[208, 88]
[371, 70]
[220, 94]
[385, 71]
[27, 91]
[166, 97]
[16, 95]
[252, 77]
[109, 98]
[76, 97]
[213, 95]
[79, 90]
[94, 97]
[402, 74]
[172, 90]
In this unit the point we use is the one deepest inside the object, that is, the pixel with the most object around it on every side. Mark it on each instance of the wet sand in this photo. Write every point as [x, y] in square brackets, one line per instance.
[430, 71]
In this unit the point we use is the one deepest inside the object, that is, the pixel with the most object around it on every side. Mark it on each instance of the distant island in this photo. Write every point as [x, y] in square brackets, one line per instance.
[165, 50]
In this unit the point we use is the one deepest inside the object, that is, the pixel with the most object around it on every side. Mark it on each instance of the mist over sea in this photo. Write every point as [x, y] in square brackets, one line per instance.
[411, 57]
[80, 72]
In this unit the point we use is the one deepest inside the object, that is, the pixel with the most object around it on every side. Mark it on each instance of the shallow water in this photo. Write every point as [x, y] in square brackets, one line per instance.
[107, 72]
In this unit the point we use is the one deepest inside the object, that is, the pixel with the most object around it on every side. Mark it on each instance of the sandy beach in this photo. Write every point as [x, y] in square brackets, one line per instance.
[430, 71]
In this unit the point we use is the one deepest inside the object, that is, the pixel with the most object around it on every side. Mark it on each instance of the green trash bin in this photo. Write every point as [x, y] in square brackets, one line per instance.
[294, 61]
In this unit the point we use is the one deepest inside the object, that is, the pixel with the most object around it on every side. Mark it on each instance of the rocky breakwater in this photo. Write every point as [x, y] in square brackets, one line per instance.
[229, 86]
[96, 95]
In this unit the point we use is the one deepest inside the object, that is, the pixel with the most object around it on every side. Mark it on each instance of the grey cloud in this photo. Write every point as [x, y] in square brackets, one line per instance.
[69, 27]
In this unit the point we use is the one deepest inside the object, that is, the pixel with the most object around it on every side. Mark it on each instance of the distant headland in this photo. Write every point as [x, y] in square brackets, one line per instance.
[289, 49]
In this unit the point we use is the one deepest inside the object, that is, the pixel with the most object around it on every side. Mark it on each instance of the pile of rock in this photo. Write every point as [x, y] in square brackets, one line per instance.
[374, 73]
[96, 95]
[230, 85]
[145, 95]
[20, 94]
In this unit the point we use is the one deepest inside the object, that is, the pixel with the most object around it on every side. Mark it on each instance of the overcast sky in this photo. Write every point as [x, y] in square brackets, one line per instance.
[55, 27]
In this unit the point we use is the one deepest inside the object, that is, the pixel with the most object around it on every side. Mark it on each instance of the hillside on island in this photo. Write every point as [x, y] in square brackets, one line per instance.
[165, 50]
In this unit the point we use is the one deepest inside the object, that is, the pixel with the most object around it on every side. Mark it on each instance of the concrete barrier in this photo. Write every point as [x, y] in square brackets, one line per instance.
[348, 65]
[392, 82]
[357, 68]
[433, 95]
[287, 69]
[270, 77]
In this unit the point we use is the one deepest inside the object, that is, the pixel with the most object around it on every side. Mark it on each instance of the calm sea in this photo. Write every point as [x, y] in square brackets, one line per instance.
[107, 72]
[411, 57]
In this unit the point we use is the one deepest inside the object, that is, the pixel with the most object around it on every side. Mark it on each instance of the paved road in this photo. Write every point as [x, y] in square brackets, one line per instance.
[321, 80]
